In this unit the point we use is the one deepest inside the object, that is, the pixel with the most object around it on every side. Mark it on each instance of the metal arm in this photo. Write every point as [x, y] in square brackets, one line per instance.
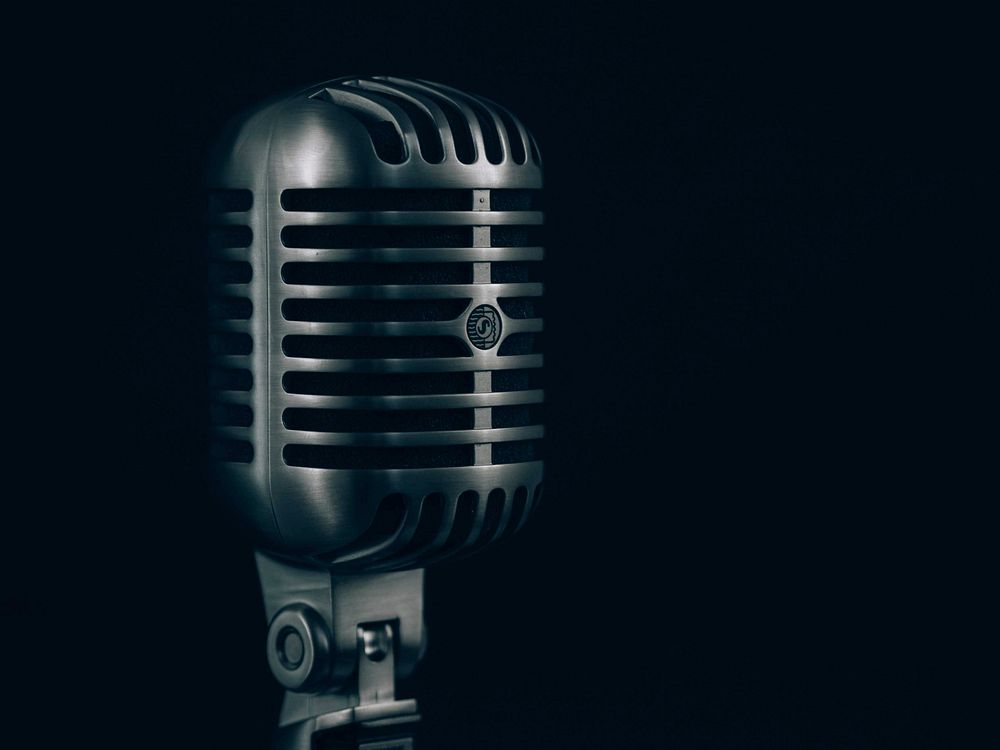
[338, 643]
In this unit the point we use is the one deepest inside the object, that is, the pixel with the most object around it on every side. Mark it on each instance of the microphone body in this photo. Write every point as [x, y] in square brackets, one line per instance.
[375, 369]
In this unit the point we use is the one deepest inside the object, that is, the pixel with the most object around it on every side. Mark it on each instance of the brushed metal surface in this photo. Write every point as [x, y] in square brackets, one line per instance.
[313, 139]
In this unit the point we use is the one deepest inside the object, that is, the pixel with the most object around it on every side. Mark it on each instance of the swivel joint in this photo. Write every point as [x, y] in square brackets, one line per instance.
[298, 648]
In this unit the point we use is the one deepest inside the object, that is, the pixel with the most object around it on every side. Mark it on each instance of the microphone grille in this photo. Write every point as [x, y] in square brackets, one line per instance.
[377, 324]
[230, 340]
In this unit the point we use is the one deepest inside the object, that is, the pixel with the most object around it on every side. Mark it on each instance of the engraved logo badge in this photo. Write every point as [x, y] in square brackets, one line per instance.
[483, 327]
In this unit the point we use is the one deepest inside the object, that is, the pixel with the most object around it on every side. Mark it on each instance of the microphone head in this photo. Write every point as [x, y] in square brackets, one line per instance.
[375, 322]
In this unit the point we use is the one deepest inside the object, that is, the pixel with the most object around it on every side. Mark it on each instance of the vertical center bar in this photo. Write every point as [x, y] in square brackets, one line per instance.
[481, 237]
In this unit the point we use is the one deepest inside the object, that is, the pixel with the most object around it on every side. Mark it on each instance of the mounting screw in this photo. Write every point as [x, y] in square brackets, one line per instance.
[291, 649]
[377, 640]
[298, 647]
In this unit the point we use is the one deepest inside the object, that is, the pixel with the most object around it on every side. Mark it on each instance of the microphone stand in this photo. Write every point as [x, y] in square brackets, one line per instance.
[338, 643]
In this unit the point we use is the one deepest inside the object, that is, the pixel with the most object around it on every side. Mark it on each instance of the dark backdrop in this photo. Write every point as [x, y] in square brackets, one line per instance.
[754, 531]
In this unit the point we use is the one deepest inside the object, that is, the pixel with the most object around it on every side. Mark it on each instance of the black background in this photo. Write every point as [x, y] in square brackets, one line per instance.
[757, 529]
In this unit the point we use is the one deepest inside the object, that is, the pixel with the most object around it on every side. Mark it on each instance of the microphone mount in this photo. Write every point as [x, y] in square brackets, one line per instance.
[338, 644]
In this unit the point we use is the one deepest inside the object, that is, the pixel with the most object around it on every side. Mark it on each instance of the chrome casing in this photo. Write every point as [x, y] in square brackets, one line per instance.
[371, 505]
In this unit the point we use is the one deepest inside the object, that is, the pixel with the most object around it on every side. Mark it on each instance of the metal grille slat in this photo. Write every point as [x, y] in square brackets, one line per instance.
[400, 328]
[412, 218]
[415, 291]
[434, 401]
[379, 328]
[444, 364]
[405, 254]
[401, 439]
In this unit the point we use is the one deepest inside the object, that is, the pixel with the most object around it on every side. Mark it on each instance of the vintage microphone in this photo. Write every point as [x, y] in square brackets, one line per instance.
[375, 337]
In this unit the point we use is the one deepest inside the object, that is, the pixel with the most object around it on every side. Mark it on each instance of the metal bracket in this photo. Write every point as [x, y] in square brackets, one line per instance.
[338, 643]
[376, 664]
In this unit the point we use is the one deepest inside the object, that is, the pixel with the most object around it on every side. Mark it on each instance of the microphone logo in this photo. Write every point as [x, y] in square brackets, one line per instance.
[483, 327]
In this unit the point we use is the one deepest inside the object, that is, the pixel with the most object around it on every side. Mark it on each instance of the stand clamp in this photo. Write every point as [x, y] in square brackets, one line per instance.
[337, 644]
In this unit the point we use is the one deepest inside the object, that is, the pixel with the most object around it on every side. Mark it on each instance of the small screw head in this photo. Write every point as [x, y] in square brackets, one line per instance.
[377, 641]
[290, 647]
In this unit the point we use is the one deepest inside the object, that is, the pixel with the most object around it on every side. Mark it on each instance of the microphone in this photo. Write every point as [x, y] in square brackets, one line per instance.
[375, 338]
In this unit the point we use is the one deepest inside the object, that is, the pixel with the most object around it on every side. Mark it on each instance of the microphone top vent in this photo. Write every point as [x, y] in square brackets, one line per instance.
[413, 119]
[360, 132]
